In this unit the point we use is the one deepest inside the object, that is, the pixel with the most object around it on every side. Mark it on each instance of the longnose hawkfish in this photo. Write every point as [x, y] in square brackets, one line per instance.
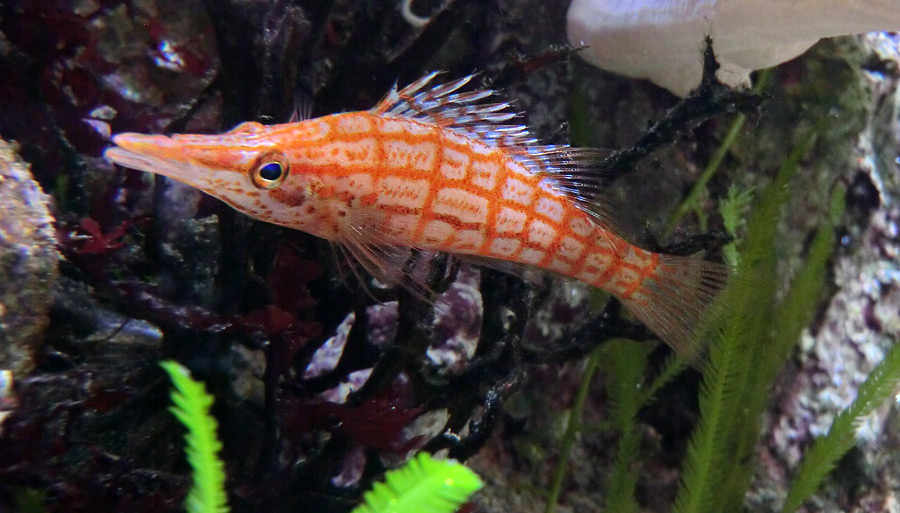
[437, 170]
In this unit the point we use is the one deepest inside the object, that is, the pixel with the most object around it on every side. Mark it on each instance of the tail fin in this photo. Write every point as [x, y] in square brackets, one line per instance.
[672, 301]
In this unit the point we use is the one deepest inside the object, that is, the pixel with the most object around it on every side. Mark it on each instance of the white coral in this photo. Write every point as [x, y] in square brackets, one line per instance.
[662, 40]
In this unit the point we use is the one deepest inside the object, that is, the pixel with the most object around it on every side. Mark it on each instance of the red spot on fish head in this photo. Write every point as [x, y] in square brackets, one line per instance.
[289, 198]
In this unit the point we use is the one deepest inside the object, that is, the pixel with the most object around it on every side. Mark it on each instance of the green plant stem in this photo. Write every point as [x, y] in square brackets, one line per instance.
[711, 167]
[624, 365]
[671, 369]
[690, 201]
[572, 425]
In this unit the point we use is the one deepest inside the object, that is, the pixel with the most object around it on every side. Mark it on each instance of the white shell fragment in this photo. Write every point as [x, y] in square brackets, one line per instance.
[662, 40]
[8, 400]
[326, 358]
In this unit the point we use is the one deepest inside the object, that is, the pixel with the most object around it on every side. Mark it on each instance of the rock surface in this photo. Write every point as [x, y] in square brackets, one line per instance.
[861, 321]
[28, 262]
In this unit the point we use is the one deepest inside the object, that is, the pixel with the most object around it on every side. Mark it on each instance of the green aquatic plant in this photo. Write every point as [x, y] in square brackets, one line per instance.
[747, 351]
[190, 405]
[754, 329]
[825, 452]
[422, 485]
[573, 425]
[691, 202]
[733, 210]
[624, 364]
[725, 425]
[29, 500]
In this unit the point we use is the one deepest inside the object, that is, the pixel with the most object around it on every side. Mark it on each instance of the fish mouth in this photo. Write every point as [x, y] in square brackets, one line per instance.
[156, 154]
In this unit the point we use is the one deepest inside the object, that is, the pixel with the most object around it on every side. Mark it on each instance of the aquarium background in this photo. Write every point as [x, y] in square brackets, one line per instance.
[321, 383]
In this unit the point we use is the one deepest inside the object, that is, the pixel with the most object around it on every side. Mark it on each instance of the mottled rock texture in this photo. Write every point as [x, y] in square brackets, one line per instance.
[28, 262]
[861, 321]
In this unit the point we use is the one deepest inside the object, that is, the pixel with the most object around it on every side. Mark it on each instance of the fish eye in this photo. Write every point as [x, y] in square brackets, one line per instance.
[270, 171]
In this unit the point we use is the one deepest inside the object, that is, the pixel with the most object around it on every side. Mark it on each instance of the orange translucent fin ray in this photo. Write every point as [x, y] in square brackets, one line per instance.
[391, 264]
[673, 300]
[342, 258]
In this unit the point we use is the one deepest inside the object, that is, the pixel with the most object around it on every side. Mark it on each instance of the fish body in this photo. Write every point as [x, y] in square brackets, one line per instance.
[436, 170]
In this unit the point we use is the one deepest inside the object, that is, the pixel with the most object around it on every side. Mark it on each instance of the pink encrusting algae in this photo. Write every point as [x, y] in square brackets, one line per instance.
[437, 170]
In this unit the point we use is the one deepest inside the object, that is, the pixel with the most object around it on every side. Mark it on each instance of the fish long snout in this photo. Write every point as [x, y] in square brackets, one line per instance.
[157, 154]
[158, 146]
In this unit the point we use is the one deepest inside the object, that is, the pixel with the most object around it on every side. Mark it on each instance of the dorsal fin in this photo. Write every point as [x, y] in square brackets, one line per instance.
[571, 171]
[443, 106]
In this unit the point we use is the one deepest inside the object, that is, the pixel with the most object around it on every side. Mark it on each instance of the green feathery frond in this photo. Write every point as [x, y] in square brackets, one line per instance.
[625, 362]
[423, 485]
[733, 210]
[671, 368]
[190, 404]
[769, 348]
[719, 456]
[826, 451]
[740, 323]
[719, 393]
[29, 500]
